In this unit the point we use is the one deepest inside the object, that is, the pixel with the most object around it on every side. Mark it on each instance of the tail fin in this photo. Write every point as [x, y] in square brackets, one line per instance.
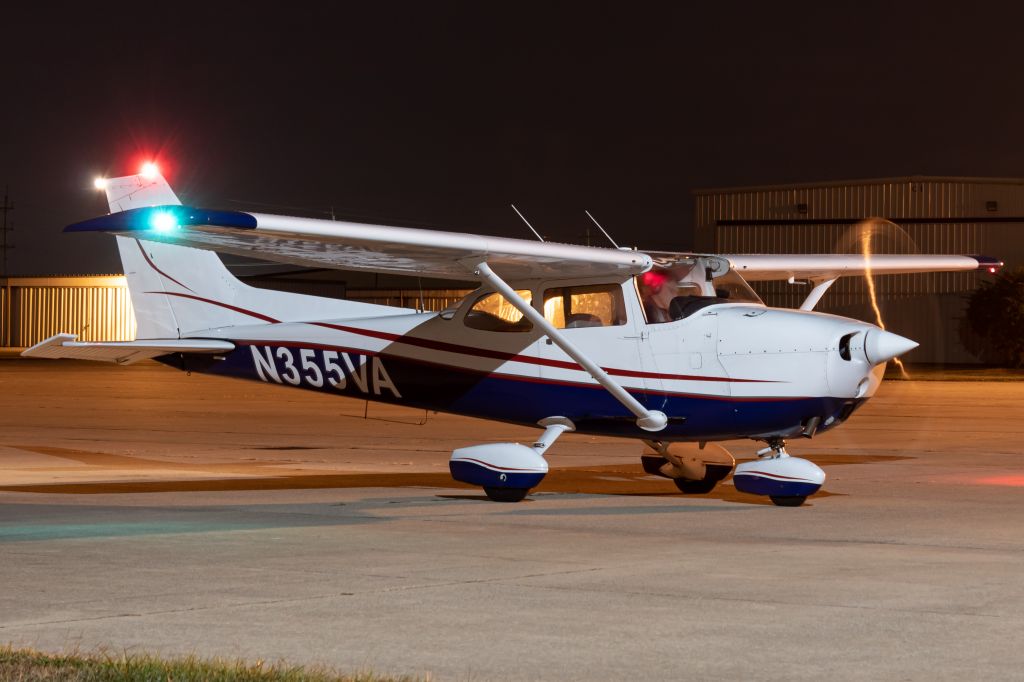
[178, 291]
[136, 191]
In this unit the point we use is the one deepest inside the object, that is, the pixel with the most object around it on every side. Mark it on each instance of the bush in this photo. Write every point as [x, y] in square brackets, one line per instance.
[995, 315]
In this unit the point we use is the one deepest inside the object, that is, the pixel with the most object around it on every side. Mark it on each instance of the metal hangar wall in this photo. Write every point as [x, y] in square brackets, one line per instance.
[942, 215]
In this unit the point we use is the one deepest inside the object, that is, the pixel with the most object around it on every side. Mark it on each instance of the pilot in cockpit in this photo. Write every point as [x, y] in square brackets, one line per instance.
[657, 289]
[668, 294]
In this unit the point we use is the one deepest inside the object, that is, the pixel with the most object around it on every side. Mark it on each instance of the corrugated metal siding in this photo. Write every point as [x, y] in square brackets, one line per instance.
[927, 307]
[4, 322]
[895, 198]
[433, 299]
[94, 313]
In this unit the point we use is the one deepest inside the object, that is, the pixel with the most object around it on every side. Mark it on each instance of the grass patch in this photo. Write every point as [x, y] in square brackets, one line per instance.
[17, 665]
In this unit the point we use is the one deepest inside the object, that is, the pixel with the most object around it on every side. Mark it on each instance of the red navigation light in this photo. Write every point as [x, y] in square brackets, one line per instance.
[654, 280]
[149, 170]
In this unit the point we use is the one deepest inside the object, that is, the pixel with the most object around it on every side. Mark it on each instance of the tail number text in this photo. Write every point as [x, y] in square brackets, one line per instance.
[318, 368]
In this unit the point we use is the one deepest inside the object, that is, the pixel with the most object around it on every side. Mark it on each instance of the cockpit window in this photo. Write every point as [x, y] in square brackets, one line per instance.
[493, 313]
[599, 305]
[674, 290]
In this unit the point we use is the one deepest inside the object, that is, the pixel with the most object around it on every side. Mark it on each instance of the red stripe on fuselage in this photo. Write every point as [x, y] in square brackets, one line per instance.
[250, 313]
[153, 265]
[510, 377]
[431, 344]
[444, 346]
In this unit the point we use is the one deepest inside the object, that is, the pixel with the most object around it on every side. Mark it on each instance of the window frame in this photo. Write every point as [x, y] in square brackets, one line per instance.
[620, 308]
[473, 298]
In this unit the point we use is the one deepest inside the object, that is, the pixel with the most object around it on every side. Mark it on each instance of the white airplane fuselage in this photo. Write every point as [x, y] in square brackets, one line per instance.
[728, 370]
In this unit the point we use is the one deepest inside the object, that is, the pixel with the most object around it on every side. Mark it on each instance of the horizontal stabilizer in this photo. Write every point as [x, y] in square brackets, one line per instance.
[121, 352]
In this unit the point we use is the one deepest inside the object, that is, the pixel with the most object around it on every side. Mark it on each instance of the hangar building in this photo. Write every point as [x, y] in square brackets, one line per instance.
[926, 215]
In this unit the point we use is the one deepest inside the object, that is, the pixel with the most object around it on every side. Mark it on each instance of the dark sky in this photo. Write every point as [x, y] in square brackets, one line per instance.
[442, 114]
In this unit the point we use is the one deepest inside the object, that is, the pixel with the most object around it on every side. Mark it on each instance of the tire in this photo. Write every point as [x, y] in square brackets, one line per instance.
[506, 494]
[700, 487]
[788, 501]
[713, 474]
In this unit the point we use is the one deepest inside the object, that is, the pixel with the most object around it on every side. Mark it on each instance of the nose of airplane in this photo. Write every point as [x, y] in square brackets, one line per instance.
[882, 346]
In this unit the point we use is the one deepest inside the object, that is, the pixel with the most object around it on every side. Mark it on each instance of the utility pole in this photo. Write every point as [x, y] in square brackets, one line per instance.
[4, 246]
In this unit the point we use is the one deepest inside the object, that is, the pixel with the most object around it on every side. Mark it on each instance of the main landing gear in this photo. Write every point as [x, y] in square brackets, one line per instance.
[787, 481]
[507, 471]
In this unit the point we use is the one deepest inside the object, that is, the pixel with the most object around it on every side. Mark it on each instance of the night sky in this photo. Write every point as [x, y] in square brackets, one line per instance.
[440, 115]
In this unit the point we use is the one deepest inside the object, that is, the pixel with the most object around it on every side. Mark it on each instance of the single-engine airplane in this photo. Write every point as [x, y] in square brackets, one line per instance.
[674, 349]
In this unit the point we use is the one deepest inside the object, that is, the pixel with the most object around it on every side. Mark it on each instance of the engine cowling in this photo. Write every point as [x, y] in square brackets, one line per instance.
[498, 465]
[779, 477]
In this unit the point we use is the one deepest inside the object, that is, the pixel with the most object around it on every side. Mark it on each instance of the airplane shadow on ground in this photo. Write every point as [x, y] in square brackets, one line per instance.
[615, 479]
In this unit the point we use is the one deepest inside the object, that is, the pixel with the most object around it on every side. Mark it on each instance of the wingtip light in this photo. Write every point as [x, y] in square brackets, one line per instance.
[163, 221]
[149, 170]
[100, 183]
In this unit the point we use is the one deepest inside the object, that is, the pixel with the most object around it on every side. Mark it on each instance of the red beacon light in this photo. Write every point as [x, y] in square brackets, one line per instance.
[149, 170]
[654, 280]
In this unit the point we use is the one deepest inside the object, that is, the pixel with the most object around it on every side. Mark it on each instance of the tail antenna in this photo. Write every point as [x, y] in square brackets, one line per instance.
[526, 221]
[601, 228]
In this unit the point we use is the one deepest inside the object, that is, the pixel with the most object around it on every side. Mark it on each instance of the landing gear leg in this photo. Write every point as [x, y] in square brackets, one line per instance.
[787, 481]
[777, 450]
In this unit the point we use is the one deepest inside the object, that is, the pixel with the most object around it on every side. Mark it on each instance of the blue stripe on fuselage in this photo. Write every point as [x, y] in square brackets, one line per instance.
[389, 378]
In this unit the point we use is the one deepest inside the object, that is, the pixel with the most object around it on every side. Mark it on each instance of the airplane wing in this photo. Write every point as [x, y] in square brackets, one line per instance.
[755, 268]
[121, 352]
[358, 246]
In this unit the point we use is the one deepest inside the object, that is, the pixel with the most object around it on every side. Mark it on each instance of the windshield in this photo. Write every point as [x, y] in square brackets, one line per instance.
[677, 289]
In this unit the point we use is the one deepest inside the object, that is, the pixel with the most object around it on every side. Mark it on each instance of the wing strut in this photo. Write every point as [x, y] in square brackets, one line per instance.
[648, 420]
[820, 287]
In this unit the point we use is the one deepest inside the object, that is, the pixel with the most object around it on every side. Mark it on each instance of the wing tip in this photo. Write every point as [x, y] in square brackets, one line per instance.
[988, 264]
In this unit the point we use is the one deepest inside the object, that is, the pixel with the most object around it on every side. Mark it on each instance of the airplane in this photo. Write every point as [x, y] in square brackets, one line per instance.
[673, 349]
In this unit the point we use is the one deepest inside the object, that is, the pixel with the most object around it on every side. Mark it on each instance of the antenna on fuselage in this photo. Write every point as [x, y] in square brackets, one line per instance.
[526, 221]
[601, 228]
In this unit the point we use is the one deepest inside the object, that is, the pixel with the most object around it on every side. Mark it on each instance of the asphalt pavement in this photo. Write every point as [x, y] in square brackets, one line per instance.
[145, 510]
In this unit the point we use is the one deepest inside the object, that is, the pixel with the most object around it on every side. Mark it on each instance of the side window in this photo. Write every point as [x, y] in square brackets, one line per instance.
[597, 305]
[493, 313]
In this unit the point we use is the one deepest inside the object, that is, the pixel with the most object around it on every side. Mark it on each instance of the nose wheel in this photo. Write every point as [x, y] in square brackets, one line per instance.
[788, 501]
[786, 481]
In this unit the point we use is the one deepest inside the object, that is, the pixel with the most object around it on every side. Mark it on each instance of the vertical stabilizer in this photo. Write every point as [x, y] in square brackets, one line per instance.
[148, 188]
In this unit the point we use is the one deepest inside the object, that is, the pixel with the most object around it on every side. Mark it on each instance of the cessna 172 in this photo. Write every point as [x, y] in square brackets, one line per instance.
[675, 349]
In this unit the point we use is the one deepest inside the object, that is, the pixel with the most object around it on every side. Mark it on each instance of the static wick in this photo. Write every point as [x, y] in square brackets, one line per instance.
[865, 241]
